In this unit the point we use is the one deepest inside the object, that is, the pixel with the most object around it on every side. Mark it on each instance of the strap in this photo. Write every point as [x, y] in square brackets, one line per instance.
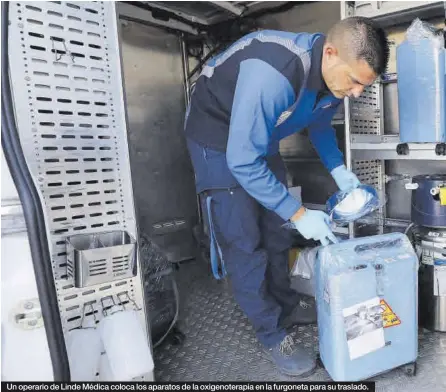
[380, 281]
[214, 247]
[434, 249]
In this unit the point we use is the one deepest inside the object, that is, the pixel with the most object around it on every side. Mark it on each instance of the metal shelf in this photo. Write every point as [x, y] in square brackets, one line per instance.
[385, 147]
[373, 220]
[366, 145]
[338, 121]
[391, 13]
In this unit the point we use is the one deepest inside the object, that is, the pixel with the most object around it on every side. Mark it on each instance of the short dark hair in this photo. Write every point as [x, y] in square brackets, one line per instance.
[366, 40]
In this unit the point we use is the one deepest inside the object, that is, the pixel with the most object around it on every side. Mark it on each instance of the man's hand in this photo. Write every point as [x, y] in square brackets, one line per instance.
[345, 179]
[313, 224]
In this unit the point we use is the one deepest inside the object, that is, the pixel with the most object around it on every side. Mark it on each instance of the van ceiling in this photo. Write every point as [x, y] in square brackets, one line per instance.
[208, 13]
[216, 24]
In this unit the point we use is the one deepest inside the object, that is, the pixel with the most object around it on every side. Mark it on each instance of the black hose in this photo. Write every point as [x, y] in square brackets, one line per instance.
[203, 61]
[177, 312]
[34, 218]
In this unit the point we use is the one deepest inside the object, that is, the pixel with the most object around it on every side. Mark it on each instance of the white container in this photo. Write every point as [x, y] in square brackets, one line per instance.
[105, 372]
[126, 344]
[84, 347]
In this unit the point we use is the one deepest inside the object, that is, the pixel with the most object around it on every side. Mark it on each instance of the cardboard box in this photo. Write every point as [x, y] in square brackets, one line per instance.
[293, 254]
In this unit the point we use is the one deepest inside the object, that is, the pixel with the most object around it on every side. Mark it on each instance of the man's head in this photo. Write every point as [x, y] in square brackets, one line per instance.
[356, 52]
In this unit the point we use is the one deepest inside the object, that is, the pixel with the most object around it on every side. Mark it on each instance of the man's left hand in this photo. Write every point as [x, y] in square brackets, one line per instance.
[345, 179]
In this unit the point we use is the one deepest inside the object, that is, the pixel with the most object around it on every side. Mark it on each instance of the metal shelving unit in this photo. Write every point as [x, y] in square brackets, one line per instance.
[367, 145]
[386, 147]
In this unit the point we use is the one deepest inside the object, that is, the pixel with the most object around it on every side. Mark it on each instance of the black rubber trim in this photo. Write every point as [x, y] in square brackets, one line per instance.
[34, 218]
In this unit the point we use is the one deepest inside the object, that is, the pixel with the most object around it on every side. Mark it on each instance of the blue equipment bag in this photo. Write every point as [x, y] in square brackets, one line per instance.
[421, 85]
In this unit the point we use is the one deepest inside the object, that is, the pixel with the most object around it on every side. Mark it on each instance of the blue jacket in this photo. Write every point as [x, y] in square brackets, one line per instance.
[263, 88]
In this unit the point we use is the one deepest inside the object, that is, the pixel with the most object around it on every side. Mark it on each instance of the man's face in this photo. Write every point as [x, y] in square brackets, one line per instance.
[344, 75]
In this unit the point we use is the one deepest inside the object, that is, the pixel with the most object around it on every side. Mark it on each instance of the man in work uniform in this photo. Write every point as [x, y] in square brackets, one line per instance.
[263, 88]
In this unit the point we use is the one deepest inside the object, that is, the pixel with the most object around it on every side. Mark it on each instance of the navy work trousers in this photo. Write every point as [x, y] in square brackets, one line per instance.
[254, 248]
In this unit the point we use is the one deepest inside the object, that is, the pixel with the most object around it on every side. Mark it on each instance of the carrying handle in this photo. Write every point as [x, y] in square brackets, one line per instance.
[130, 300]
[105, 308]
[378, 245]
[84, 311]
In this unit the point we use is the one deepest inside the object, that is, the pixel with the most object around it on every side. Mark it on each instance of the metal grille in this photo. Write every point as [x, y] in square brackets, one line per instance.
[365, 112]
[369, 99]
[369, 172]
[68, 96]
[372, 173]
[366, 126]
[366, 119]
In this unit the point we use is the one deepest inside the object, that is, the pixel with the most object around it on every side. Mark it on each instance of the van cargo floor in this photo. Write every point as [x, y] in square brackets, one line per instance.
[220, 344]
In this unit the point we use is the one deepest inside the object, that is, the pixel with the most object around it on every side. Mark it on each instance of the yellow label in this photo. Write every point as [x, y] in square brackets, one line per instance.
[443, 196]
[390, 319]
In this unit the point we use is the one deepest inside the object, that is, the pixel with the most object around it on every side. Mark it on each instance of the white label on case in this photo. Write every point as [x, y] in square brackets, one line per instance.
[363, 325]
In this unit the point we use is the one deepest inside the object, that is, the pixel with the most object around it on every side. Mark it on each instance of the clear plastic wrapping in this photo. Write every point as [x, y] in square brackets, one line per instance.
[366, 296]
[346, 207]
[421, 85]
[304, 265]
[302, 273]
[418, 31]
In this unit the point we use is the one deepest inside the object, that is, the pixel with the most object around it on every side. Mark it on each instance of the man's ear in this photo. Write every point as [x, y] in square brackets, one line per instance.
[330, 50]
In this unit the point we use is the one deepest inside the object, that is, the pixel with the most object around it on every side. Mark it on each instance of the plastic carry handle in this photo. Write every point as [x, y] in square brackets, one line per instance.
[378, 245]
[434, 249]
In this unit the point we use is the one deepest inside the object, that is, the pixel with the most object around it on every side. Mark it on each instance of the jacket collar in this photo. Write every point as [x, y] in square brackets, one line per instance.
[315, 79]
[316, 82]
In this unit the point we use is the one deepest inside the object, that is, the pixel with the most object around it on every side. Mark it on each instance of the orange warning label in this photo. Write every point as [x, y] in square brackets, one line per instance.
[390, 319]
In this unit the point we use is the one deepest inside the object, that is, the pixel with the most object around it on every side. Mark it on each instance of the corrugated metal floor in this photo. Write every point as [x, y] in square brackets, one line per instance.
[221, 345]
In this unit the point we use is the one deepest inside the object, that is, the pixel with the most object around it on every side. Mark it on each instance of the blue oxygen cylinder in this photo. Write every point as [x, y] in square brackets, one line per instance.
[421, 85]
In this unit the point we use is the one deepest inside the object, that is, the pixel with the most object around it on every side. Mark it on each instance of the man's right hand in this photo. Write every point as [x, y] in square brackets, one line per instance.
[314, 225]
